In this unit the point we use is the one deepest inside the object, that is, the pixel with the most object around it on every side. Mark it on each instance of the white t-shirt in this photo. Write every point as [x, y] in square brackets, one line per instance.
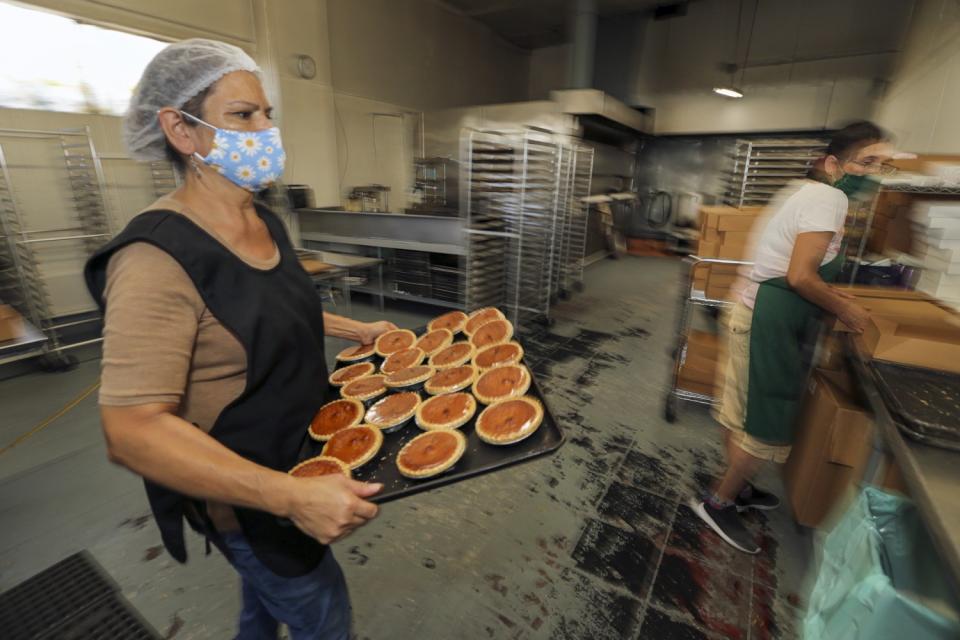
[804, 206]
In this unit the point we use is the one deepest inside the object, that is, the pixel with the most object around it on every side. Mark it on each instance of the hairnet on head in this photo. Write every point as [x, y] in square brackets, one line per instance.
[176, 74]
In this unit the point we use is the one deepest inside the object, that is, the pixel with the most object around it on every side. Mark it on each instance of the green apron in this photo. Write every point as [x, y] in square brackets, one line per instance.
[781, 321]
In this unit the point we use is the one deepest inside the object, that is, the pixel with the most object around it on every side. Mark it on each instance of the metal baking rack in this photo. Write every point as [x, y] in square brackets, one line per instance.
[23, 283]
[525, 220]
[574, 247]
[759, 168]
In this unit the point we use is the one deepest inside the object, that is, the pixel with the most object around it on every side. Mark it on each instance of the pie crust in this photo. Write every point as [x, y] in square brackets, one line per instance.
[394, 340]
[403, 359]
[394, 410]
[452, 322]
[494, 332]
[320, 466]
[453, 356]
[357, 353]
[354, 446]
[481, 317]
[451, 379]
[435, 340]
[333, 417]
[410, 377]
[449, 411]
[510, 421]
[501, 383]
[498, 355]
[431, 453]
[352, 372]
[364, 389]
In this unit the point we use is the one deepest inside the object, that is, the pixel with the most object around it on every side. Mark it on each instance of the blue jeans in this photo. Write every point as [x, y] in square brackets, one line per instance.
[315, 606]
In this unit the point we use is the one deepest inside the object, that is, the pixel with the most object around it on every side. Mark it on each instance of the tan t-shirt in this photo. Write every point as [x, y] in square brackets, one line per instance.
[162, 344]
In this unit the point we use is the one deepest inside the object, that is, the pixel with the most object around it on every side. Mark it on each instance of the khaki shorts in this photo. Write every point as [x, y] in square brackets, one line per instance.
[734, 376]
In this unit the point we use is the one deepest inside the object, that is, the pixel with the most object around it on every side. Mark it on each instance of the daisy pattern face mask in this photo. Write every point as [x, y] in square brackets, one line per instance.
[252, 160]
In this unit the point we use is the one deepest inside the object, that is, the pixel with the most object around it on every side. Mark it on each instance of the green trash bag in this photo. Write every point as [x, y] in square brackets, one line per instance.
[880, 578]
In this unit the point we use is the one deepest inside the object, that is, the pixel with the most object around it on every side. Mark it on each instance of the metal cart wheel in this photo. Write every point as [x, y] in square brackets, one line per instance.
[670, 409]
[55, 362]
[578, 286]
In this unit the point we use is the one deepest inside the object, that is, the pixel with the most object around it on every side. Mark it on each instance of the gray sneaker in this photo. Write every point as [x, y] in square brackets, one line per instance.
[726, 523]
[756, 499]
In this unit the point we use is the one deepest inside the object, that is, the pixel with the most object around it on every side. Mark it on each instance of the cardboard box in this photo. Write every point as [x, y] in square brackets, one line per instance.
[717, 292]
[830, 353]
[742, 223]
[929, 341]
[707, 249]
[703, 349]
[833, 443]
[732, 251]
[696, 387]
[11, 324]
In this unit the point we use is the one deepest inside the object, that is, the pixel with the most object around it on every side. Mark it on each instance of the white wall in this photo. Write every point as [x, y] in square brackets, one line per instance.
[922, 102]
[549, 67]
[419, 54]
[373, 57]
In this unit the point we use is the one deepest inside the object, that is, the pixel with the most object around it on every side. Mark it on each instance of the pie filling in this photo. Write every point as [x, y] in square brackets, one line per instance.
[500, 382]
[449, 409]
[393, 341]
[353, 353]
[480, 318]
[351, 444]
[453, 353]
[452, 321]
[393, 408]
[354, 371]
[509, 418]
[450, 378]
[365, 387]
[491, 333]
[434, 341]
[316, 467]
[498, 354]
[428, 451]
[402, 360]
[410, 375]
[335, 416]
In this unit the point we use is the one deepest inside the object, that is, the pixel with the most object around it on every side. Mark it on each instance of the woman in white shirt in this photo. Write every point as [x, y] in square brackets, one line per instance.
[795, 256]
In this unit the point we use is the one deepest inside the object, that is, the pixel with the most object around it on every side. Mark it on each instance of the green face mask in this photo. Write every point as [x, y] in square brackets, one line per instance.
[851, 184]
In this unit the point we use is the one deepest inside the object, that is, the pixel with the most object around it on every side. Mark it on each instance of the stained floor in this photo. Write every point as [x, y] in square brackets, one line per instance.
[592, 542]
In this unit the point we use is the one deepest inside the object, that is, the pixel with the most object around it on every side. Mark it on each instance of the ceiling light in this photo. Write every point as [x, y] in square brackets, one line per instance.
[729, 92]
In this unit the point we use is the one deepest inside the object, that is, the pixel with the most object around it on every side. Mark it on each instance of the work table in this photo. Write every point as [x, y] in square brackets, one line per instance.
[932, 474]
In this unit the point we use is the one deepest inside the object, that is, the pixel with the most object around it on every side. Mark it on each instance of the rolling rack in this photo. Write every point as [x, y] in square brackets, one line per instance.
[761, 167]
[23, 283]
[574, 247]
[525, 219]
[688, 300]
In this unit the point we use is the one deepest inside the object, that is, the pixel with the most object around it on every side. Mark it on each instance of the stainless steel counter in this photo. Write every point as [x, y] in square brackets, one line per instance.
[436, 234]
[932, 475]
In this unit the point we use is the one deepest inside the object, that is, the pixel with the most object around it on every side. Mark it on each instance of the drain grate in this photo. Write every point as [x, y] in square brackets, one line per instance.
[74, 598]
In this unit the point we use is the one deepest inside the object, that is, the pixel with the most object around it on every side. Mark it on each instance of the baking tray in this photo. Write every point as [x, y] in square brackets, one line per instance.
[925, 402]
[478, 459]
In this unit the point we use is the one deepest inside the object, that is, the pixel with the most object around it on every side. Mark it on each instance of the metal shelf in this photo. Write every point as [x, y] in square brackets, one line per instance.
[409, 297]
[32, 342]
[909, 188]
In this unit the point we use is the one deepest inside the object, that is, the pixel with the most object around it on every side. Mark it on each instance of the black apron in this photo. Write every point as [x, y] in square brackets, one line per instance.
[278, 318]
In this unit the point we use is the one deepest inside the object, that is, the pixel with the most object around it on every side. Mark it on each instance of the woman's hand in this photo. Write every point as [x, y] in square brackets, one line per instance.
[854, 316]
[329, 508]
[368, 332]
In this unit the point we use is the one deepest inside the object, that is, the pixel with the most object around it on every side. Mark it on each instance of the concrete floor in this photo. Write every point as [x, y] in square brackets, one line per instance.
[592, 542]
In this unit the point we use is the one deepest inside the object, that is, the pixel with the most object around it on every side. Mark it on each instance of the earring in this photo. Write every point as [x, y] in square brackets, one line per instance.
[196, 167]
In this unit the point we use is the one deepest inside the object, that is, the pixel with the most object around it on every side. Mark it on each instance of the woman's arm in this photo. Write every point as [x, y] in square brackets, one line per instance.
[154, 443]
[803, 275]
[362, 332]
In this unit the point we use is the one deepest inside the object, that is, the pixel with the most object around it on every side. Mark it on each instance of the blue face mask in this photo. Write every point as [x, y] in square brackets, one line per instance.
[253, 160]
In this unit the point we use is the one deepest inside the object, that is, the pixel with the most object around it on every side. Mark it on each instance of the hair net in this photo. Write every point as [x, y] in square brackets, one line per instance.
[176, 74]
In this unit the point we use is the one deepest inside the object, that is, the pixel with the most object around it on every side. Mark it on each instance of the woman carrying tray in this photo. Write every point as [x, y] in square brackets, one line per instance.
[213, 355]
[797, 254]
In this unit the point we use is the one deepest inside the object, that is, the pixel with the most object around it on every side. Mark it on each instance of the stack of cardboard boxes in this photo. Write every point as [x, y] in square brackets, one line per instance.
[698, 365]
[936, 227]
[891, 229]
[724, 233]
[11, 324]
[835, 433]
